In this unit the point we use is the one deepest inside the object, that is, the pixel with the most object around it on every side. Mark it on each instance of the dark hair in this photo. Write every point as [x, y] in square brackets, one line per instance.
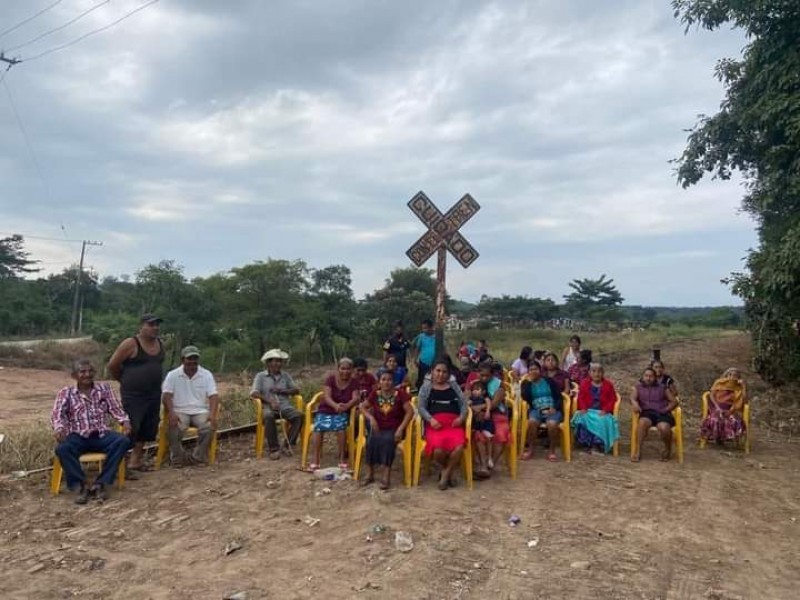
[441, 361]
[586, 356]
[483, 342]
[525, 353]
[477, 384]
[658, 361]
[534, 365]
[538, 354]
[487, 364]
[497, 369]
[575, 338]
[385, 372]
[646, 370]
[391, 355]
[398, 323]
[360, 363]
[81, 362]
[427, 322]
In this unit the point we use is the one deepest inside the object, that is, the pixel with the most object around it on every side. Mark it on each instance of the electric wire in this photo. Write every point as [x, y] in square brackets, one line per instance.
[29, 19]
[60, 27]
[90, 33]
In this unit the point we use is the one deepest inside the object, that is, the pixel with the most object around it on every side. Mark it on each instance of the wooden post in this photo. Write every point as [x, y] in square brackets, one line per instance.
[441, 267]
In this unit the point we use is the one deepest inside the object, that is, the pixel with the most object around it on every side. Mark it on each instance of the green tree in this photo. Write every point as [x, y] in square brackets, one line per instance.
[757, 133]
[413, 279]
[513, 310]
[594, 298]
[14, 259]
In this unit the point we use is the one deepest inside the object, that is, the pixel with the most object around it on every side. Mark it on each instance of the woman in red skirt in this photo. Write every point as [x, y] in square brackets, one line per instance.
[444, 409]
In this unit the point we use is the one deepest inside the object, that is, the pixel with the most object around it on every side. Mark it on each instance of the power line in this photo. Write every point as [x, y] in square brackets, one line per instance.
[93, 32]
[29, 19]
[27, 139]
[60, 27]
[39, 237]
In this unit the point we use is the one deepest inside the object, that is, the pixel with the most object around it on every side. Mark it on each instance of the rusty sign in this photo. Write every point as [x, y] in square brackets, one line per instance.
[443, 230]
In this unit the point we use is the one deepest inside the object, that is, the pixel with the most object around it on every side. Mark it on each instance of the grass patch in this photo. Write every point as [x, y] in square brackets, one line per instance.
[28, 446]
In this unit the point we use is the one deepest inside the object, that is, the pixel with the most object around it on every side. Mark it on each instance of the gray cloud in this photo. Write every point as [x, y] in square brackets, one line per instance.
[219, 133]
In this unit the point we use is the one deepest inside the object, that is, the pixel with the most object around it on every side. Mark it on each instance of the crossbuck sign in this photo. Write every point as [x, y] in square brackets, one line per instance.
[442, 236]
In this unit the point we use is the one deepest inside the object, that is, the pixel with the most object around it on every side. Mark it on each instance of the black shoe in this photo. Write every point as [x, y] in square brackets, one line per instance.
[83, 495]
[99, 491]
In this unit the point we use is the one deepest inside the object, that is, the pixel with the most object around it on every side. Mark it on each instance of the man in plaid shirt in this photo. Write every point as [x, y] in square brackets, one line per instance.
[80, 423]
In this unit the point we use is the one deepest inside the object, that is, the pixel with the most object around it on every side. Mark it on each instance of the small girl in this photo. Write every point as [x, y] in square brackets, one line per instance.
[482, 427]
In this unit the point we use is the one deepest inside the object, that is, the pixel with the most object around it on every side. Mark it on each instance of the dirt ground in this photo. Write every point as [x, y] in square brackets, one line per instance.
[722, 526]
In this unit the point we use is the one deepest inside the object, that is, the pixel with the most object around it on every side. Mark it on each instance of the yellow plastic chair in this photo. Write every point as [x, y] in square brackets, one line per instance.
[260, 429]
[419, 450]
[511, 452]
[745, 418]
[308, 429]
[566, 432]
[617, 403]
[677, 432]
[163, 440]
[405, 447]
[86, 459]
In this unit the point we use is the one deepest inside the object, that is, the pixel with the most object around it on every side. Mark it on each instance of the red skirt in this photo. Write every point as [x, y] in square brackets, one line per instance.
[501, 429]
[447, 438]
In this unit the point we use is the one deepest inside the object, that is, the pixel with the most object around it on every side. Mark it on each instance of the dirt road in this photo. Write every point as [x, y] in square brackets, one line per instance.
[722, 526]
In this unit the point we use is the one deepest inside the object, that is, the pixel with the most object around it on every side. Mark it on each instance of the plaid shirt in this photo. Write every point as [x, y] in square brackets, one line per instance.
[75, 412]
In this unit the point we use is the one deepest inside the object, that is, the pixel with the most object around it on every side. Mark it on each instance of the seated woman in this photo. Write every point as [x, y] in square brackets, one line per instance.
[389, 411]
[551, 371]
[594, 423]
[391, 366]
[340, 394]
[497, 396]
[544, 406]
[654, 403]
[482, 427]
[571, 353]
[663, 377]
[580, 369]
[520, 365]
[724, 422]
[443, 408]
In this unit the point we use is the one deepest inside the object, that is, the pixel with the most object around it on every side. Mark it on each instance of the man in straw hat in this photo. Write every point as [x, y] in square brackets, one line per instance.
[275, 389]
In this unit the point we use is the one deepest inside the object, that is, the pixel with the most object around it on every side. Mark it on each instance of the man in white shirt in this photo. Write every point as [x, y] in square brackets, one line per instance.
[190, 397]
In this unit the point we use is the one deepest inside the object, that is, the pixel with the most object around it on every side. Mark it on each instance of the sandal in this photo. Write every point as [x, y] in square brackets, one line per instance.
[312, 467]
[274, 455]
[552, 457]
[443, 484]
[142, 468]
[367, 481]
[344, 466]
[665, 455]
[527, 455]
[636, 458]
[384, 485]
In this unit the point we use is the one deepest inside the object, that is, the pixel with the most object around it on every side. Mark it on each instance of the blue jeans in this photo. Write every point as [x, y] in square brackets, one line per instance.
[113, 444]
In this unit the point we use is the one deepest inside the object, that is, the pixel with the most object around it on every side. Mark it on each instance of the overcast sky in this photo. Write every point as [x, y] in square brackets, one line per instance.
[220, 133]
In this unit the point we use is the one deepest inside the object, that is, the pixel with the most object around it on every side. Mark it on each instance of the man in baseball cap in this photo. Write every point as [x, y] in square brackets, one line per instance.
[190, 397]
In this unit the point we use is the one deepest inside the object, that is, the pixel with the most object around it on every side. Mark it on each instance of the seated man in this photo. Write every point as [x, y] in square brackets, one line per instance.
[80, 425]
[275, 390]
[189, 394]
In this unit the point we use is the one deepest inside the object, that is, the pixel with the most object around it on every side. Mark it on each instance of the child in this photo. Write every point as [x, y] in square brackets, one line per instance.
[482, 426]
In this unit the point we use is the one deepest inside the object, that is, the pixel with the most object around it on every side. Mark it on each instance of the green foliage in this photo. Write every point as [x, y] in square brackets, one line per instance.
[14, 260]
[757, 133]
[594, 299]
[516, 309]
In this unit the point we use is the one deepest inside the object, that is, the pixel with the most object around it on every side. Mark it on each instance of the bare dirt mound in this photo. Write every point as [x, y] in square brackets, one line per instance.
[721, 526]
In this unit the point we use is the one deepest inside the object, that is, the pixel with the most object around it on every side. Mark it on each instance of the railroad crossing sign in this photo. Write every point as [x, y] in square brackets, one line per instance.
[442, 236]
[443, 229]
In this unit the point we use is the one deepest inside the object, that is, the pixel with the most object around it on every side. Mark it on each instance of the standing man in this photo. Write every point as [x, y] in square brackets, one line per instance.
[137, 365]
[275, 390]
[425, 347]
[79, 419]
[398, 346]
[190, 399]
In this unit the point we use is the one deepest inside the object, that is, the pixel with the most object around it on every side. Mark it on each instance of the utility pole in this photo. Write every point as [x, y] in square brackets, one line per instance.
[73, 327]
[11, 61]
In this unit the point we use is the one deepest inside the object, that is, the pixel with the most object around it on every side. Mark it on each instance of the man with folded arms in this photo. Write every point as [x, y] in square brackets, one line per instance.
[190, 398]
[80, 424]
